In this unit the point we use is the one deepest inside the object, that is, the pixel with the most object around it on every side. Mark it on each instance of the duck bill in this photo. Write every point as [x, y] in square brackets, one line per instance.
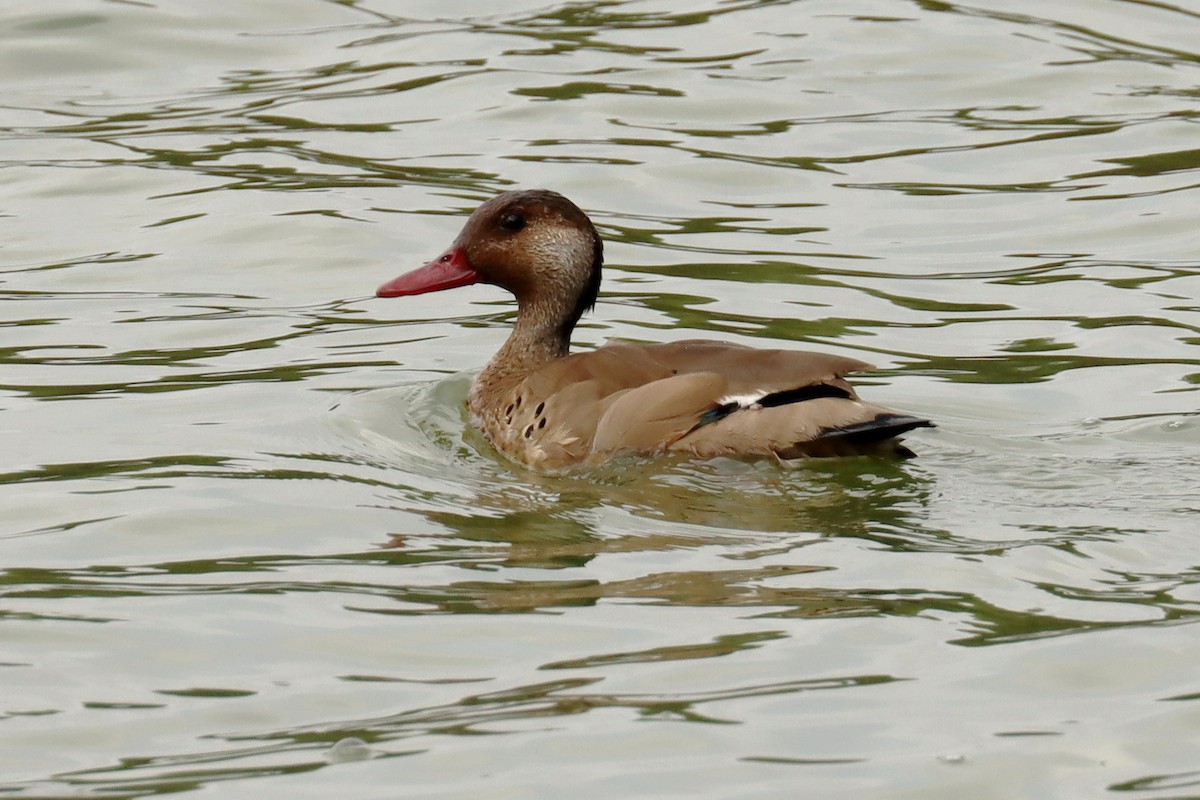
[447, 271]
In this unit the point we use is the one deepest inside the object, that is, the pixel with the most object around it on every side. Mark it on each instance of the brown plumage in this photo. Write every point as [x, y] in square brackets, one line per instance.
[550, 410]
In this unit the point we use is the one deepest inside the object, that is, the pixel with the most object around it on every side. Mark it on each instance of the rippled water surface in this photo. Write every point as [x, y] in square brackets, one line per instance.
[248, 544]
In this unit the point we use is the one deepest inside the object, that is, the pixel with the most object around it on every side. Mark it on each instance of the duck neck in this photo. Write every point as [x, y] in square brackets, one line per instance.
[538, 338]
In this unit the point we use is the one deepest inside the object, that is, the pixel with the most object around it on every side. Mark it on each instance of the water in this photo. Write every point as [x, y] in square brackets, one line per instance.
[250, 545]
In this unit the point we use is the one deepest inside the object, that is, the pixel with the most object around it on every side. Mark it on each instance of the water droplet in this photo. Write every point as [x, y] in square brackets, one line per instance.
[349, 749]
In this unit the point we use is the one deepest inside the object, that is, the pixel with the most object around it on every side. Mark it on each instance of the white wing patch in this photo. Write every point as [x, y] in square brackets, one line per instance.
[748, 400]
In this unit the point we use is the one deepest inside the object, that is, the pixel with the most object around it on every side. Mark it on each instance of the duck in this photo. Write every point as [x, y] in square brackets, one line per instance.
[552, 410]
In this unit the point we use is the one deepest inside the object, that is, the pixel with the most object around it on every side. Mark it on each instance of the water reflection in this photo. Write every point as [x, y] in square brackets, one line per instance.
[304, 749]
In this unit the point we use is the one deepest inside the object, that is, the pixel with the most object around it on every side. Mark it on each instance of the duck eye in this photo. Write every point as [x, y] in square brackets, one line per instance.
[512, 222]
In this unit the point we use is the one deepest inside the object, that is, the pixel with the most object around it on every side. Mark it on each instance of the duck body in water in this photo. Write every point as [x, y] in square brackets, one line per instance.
[550, 409]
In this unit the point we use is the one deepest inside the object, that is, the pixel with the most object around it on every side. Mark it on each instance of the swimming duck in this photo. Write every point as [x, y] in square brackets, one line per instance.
[551, 410]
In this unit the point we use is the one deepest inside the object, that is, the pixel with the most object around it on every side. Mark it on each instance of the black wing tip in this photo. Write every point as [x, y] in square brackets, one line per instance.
[879, 436]
[882, 426]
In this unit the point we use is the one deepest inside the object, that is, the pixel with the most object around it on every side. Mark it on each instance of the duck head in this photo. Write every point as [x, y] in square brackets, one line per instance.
[535, 243]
